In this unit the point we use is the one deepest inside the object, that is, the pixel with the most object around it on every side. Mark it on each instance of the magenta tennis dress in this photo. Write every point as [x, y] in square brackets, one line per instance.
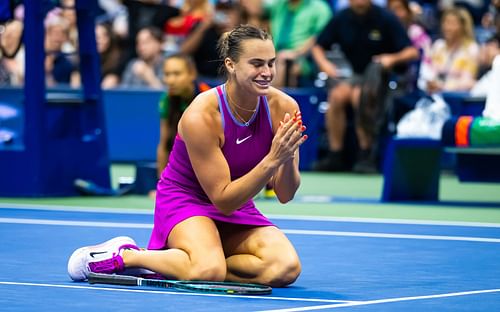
[179, 194]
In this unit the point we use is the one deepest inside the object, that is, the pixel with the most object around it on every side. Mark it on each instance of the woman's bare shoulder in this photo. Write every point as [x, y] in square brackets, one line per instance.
[281, 101]
[201, 115]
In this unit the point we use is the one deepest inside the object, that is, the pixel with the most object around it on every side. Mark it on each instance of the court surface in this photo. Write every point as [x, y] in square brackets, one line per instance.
[372, 259]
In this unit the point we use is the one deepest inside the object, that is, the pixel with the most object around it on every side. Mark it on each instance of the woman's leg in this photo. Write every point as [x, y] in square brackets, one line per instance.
[195, 253]
[261, 255]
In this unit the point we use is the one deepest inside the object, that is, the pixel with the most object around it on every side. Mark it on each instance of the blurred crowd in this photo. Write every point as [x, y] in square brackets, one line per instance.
[134, 37]
[433, 46]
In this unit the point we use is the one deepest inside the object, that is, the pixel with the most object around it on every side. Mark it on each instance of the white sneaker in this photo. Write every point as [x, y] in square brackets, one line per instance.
[102, 258]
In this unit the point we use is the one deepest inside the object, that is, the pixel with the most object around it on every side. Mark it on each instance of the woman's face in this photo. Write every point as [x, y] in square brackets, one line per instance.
[102, 38]
[177, 76]
[255, 69]
[55, 36]
[451, 27]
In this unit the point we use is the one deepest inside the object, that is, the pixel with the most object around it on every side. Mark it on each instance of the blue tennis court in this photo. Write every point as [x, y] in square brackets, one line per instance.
[351, 264]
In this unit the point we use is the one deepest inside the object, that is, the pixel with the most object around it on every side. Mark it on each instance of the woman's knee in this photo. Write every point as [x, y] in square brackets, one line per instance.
[214, 270]
[282, 272]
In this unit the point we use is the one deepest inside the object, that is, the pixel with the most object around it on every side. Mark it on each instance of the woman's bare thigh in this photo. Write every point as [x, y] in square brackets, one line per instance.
[199, 238]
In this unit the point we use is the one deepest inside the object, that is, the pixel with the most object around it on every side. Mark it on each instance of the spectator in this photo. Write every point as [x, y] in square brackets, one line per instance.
[178, 28]
[147, 69]
[453, 59]
[179, 75]
[202, 41]
[12, 54]
[110, 56]
[365, 33]
[59, 67]
[294, 26]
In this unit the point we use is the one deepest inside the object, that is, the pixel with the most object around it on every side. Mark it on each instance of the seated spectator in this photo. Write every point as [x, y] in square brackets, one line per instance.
[178, 28]
[453, 61]
[294, 27]
[179, 75]
[202, 41]
[366, 34]
[147, 69]
[110, 56]
[59, 67]
[12, 54]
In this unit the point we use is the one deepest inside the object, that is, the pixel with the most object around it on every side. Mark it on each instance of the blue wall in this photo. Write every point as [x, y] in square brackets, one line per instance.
[132, 121]
[133, 124]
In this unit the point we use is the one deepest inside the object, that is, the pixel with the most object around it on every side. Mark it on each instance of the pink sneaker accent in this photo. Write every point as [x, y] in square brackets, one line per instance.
[103, 258]
[111, 265]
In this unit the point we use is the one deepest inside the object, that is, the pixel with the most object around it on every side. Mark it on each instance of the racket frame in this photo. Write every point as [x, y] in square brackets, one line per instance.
[230, 288]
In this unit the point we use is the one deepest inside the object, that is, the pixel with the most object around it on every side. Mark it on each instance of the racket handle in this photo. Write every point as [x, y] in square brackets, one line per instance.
[97, 278]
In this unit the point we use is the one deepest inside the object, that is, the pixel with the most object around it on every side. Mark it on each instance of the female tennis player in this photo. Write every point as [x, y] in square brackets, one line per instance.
[231, 141]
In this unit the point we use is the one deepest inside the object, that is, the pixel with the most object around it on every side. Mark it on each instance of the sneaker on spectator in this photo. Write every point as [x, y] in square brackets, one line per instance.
[103, 258]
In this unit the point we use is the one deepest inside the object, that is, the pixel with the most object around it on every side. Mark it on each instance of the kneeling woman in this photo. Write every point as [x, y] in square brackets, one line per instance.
[232, 141]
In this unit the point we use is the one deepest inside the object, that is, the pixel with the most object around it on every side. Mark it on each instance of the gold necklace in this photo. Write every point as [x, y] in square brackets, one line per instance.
[236, 105]
[235, 111]
[246, 122]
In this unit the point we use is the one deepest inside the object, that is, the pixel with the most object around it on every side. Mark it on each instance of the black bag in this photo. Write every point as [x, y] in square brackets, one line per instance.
[372, 98]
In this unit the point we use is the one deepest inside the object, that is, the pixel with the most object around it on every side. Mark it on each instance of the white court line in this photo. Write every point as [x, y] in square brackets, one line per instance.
[389, 300]
[271, 216]
[164, 292]
[384, 221]
[286, 231]
[77, 223]
[78, 208]
[390, 235]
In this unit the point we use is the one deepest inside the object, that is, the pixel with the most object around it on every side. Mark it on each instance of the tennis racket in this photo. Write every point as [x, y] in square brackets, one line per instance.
[227, 288]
